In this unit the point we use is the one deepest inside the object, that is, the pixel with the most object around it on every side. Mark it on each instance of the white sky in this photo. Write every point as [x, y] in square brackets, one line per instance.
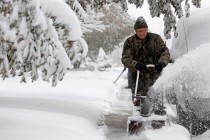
[154, 24]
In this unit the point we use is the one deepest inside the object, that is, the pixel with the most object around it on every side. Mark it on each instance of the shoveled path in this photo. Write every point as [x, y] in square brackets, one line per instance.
[116, 120]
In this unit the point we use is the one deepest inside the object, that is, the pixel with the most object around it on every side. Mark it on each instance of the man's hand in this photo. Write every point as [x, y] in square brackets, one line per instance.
[140, 67]
[159, 66]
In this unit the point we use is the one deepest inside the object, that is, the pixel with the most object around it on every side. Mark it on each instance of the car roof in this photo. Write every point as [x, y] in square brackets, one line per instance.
[192, 32]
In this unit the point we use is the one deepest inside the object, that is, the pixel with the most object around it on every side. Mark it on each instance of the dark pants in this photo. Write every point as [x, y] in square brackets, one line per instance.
[146, 80]
[129, 74]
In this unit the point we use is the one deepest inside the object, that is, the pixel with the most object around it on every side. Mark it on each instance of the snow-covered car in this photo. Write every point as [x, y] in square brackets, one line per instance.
[191, 55]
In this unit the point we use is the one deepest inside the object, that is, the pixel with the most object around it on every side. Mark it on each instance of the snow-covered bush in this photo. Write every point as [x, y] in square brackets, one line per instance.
[101, 63]
[102, 60]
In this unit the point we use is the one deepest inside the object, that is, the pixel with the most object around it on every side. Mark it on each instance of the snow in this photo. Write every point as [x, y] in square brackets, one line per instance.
[101, 55]
[187, 39]
[74, 109]
[23, 27]
[30, 111]
[38, 125]
[185, 70]
[84, 47]
[67, 16]
[173, 132]
[192, 41]
[71, 110]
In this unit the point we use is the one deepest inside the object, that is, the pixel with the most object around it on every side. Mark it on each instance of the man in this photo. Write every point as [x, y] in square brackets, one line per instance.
[141, 49]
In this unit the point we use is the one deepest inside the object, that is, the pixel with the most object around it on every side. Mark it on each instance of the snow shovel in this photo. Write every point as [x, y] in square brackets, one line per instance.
[120, 75]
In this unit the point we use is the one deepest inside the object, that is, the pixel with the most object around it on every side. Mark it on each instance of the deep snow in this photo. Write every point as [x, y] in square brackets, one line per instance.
[71, 110]
[75, 107]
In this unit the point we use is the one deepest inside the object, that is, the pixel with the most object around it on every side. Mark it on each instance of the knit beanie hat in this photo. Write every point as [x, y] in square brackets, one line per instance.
[140, 23]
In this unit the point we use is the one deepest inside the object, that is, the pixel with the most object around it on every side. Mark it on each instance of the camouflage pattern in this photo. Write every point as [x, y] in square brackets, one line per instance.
[151, 50]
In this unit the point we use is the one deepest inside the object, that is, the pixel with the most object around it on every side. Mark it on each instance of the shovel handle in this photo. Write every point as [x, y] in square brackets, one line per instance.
[137, 78]
[150, 65]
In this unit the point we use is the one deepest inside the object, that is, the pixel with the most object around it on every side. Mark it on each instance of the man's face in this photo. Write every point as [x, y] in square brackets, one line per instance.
[141, 33]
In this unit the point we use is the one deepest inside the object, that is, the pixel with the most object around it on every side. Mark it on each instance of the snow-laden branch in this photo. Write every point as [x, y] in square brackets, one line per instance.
[158, 7]
[64, 15]
[30, 38]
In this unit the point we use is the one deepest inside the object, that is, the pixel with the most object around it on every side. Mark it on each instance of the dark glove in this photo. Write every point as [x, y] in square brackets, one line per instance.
[140, 66]
[159, 66]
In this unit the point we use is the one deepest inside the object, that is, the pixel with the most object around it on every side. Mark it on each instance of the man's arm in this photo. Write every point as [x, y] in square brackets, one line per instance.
[127, 55]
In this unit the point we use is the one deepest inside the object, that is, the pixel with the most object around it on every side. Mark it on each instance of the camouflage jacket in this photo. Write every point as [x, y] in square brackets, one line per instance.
[151, 50]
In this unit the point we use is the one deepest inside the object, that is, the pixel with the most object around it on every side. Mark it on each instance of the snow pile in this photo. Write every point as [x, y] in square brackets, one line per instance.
[71, 110]
[173, 132]
[101, 63]
[40, 125]
[102, 60]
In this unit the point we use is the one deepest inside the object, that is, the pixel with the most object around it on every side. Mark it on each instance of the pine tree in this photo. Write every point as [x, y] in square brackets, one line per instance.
[158, 7]
[31, 39]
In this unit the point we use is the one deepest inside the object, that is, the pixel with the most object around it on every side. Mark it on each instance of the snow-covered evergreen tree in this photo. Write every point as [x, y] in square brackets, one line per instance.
[30, 38]
[89, 21]
[77, 52]
[120, 28]
[101, 63]
[158, 7]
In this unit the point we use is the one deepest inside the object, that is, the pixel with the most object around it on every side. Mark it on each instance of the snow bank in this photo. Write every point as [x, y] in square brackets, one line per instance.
[172, 132]
[70, 111]
[38, 125]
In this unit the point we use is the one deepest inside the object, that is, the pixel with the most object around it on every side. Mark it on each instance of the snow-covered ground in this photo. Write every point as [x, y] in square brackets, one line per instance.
[71, 110]
[74, 109]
